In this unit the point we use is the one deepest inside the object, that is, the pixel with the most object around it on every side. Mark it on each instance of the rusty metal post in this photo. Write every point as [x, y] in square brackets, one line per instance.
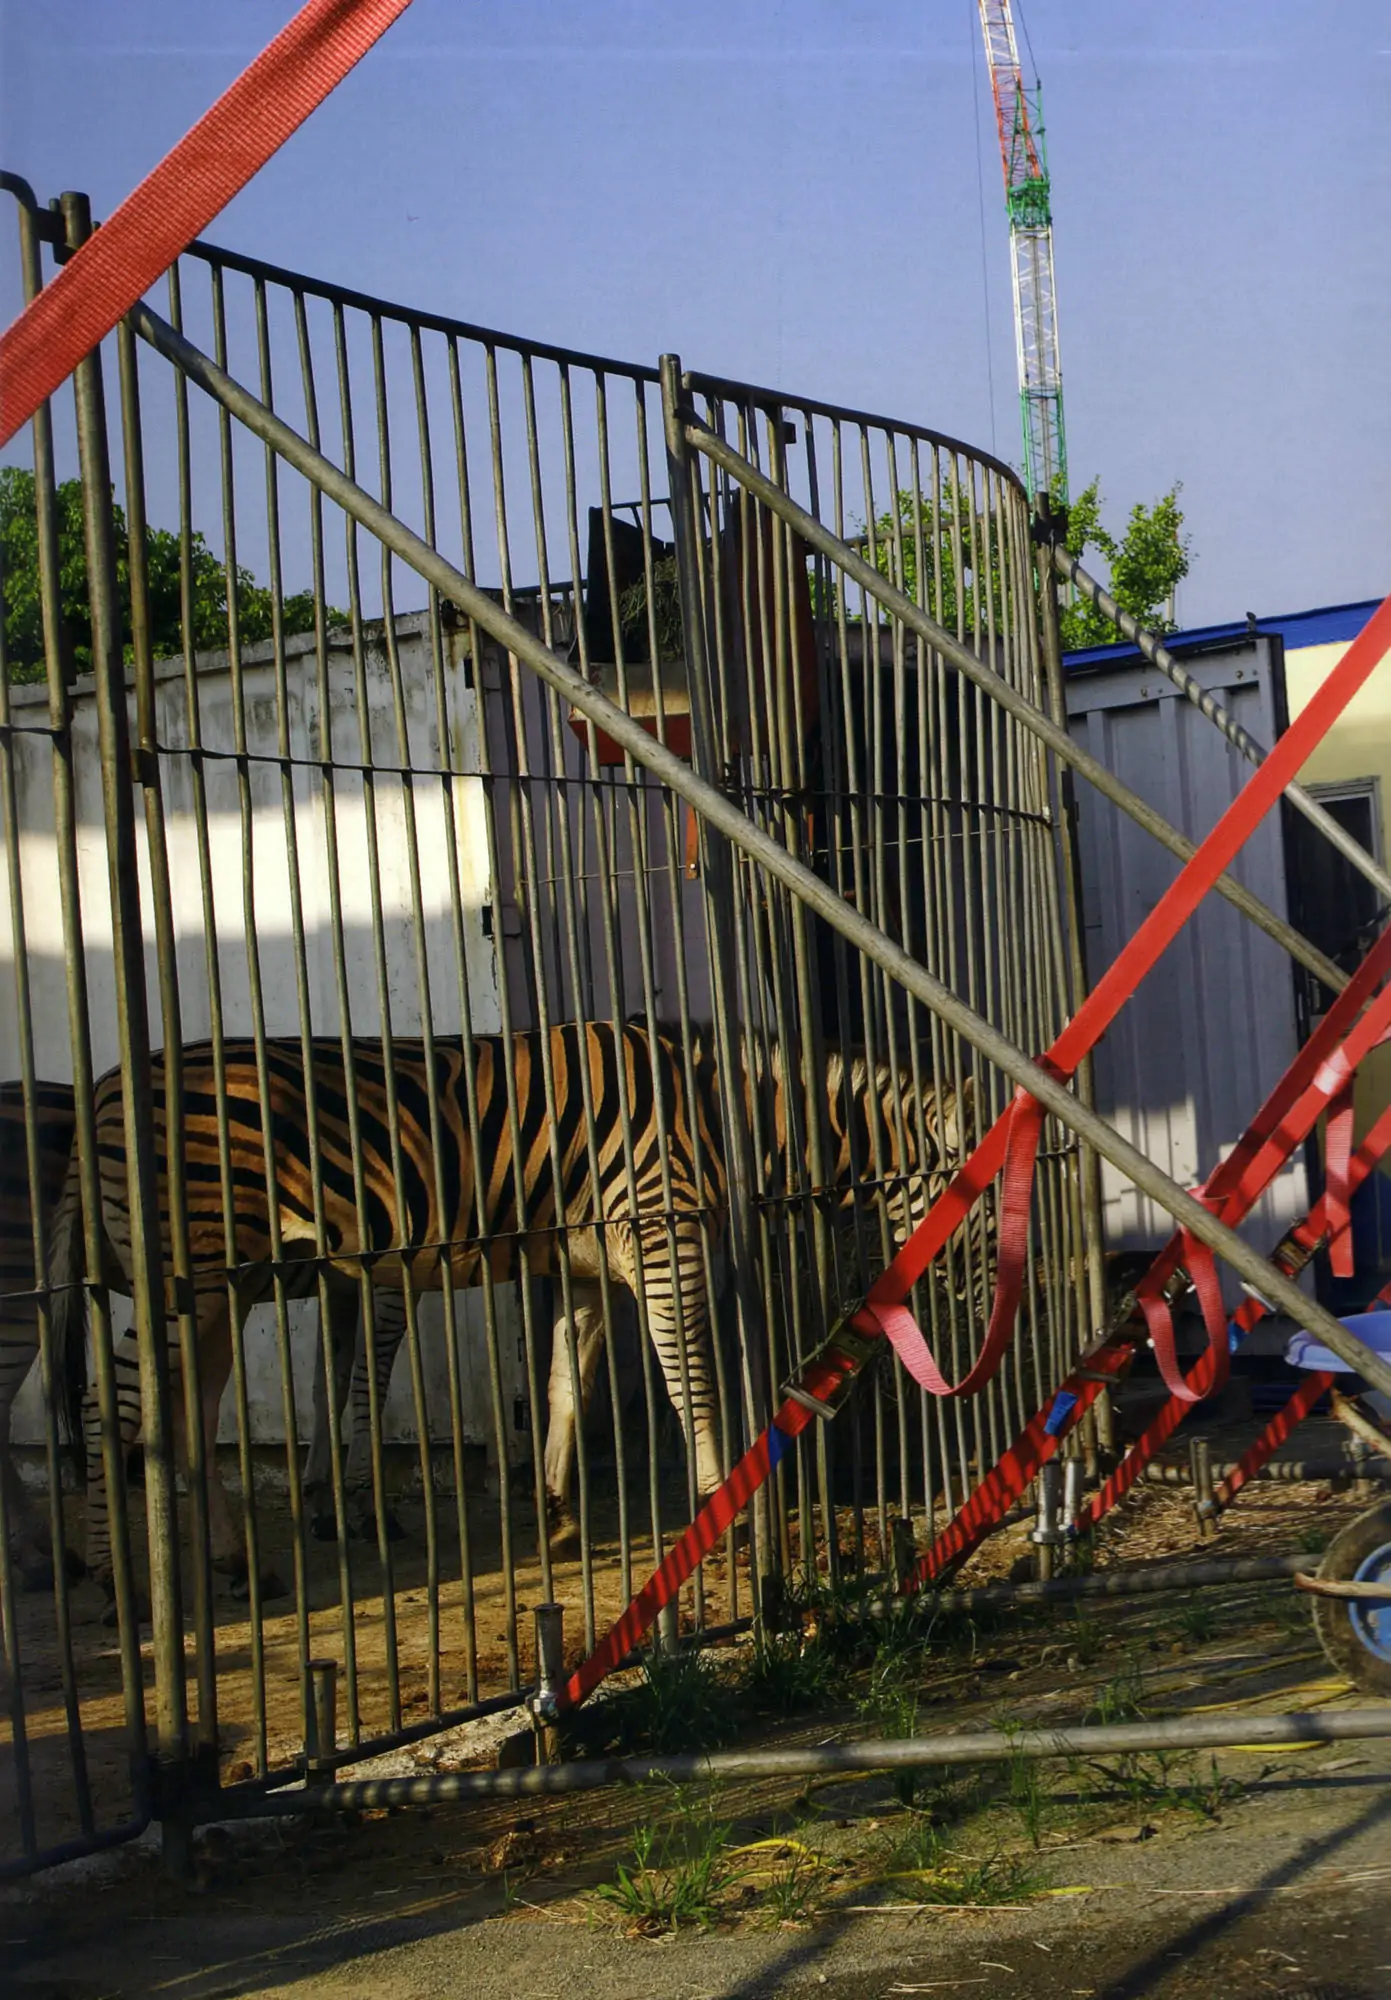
[717, 875]
[320, 1720]
[1204, 1499]
[1050, 1530]
[1048, 528]
[133, 1031]
[550, 1672]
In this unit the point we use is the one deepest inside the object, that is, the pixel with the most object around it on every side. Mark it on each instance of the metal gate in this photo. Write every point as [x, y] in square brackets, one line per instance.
[558, 1085]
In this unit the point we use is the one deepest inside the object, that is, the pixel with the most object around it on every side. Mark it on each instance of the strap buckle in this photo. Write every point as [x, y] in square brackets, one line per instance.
[847, 1346]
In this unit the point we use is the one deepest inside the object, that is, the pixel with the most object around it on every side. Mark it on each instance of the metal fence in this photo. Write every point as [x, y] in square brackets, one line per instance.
[307, 885]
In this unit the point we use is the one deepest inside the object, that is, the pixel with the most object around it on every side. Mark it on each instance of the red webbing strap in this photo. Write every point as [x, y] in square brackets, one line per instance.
[1306, 1236]
[1116, 985]
[1281, 1425]
[828, 1372]
[1337, 1158]
[154, 225]
[897, 1324]
[1035, 1445]
[1002, 1487]
[1104, 1002]
[1201, 1266]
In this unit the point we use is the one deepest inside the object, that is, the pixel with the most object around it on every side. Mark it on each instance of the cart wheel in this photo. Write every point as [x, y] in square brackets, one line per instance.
[1357, 1637]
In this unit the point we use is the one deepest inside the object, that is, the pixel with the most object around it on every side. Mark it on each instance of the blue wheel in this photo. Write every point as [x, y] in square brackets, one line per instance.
[1357, 1636]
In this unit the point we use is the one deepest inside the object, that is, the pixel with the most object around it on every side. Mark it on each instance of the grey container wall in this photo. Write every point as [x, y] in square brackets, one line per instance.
[1207, 1035]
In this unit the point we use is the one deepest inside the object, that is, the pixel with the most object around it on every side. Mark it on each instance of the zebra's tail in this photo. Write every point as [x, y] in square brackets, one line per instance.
[67, 1308]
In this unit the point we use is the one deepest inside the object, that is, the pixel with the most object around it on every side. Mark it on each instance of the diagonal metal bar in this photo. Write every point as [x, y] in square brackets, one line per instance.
[1015, 703]
[727, 819]
[1158, 655]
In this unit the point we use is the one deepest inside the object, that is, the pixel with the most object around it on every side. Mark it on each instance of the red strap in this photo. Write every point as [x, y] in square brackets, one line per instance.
[1016, 1199]
[1337, 1164]
[155, 224]
[1202, 1269]
[1273, 1436]
[1137, 958]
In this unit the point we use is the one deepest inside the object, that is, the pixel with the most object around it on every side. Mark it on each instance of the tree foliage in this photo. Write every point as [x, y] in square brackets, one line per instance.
[1146, 564]
[22, 607]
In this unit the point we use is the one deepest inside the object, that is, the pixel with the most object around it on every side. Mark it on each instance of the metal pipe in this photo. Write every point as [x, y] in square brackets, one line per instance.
[866, 937]
[1294, 1471]
[1123, 1583]
[976, 670]
[1158, 655]
[321, 1720]
[920, 1753]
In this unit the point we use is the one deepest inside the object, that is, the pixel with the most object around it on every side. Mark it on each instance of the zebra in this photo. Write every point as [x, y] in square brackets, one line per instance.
[480, 1220]
[54, 1129]
[655, 1245]
[861, 1097]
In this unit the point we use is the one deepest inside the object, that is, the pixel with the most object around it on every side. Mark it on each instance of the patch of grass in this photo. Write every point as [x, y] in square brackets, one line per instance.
[965, 1880]
[1085, 1637]
[1197, 1621]
[682, 1702]
[792, 1894]
[890, 1703]
[680, 1873]
[785, 1673]
[1312, 1541]
[1157, 1781]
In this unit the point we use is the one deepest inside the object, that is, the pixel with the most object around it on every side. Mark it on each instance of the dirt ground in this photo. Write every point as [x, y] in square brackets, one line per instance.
[1254, 1873]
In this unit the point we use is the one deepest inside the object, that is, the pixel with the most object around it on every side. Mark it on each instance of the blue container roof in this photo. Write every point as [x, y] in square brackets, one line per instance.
[1327, 625]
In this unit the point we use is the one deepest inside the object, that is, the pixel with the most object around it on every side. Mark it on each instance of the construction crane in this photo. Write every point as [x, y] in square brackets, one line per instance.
[1018, 115]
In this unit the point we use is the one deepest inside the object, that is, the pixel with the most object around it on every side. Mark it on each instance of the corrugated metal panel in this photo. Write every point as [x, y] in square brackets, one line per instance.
[1201, 1044]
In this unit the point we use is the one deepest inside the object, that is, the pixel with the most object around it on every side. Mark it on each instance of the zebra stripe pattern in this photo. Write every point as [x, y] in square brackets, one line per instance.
[452, 1214]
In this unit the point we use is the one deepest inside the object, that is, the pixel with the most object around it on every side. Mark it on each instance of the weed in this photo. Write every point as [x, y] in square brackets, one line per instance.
[791, 1894]
[1156, 1781]
[890, 1702]
[1086, 1637]
[1313, 1541]
[679, 1875]
[1197, 1621]
[681, 1703]
[785, 1673]
[1119, 1699]
[1028, 1793]
[973, 1881]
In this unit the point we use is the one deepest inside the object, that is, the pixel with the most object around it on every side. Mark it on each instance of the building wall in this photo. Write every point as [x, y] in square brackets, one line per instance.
[1357, 746]
[263, 922]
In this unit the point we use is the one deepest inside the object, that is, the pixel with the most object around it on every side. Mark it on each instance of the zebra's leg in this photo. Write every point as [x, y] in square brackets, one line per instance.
[700, 1424]
[125, 1360]
[388, 1331]
[342, 1308]
[562, 1419]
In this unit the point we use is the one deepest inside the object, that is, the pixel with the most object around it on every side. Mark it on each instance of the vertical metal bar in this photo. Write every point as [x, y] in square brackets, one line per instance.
[1070, 870]
[718, 879]
[171, 1035]
[134, 1038]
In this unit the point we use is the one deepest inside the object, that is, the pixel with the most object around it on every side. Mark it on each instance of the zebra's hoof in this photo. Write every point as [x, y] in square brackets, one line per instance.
[271, 1586]
[562, 1533]
[141, 1605]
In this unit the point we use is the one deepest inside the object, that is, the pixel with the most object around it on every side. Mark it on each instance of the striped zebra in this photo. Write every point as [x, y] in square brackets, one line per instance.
[54, 1125]
[494, 1204]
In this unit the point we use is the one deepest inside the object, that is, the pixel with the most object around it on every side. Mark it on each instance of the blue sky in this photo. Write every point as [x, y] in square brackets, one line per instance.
[809, 194]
